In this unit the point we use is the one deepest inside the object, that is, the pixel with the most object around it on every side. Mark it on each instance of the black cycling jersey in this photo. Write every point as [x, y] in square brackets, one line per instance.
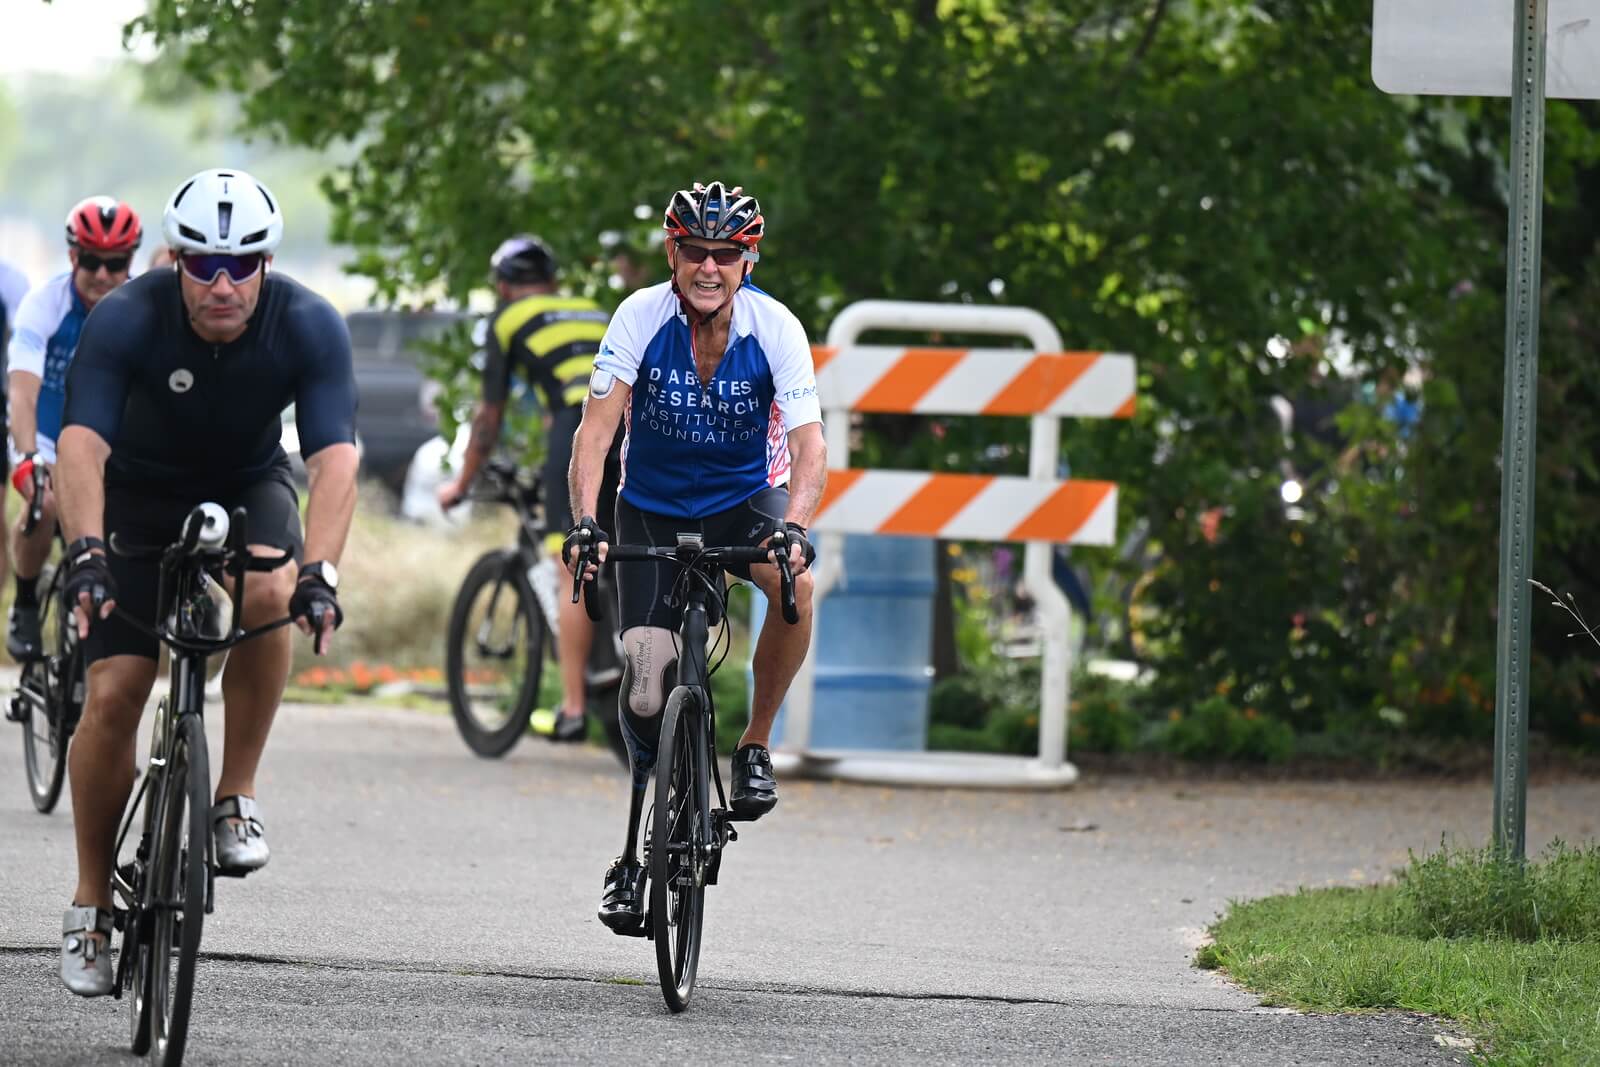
[174, 407]
[552, 340]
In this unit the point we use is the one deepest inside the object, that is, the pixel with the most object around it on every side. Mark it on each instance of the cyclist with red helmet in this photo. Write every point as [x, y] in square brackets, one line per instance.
[716, 383]
[102, 235]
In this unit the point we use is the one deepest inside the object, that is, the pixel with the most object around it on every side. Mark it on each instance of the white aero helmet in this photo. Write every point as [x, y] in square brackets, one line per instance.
[222, 211]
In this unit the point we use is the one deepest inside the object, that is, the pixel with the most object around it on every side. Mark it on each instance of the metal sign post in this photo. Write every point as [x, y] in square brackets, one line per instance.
[1517, 434]
[1458, 48]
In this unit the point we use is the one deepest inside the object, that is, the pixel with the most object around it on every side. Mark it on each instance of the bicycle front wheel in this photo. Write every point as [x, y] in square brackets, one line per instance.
[679, 849]
[494, 654]
[179, 870]
[45, 688]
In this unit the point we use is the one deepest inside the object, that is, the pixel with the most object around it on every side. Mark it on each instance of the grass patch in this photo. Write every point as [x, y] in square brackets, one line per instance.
[1512, 951]
[624, 981]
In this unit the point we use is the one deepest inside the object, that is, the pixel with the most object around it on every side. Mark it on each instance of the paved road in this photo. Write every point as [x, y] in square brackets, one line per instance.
[427, 906]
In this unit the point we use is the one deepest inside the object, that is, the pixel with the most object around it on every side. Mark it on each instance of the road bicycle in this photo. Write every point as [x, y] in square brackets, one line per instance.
[49, 696]
[686, 838]
[503, 626]
[165, 888]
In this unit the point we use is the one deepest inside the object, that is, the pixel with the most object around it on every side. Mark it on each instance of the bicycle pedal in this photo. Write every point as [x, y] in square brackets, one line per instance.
[235, 872]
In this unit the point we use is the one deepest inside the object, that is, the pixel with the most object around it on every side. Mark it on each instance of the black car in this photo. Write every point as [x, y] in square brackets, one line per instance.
[396, 412]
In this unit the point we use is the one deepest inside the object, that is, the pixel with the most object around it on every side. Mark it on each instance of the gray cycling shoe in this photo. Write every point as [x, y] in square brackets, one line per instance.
[86, 960]
[241, 846]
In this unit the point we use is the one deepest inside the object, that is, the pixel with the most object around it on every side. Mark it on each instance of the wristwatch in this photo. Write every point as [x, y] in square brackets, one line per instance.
[324, 570]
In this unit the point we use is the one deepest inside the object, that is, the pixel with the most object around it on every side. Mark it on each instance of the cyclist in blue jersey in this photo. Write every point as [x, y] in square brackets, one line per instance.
[714, 381]
[102, 235]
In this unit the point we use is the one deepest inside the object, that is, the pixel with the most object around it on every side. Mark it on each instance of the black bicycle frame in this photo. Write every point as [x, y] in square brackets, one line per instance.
[180, 604]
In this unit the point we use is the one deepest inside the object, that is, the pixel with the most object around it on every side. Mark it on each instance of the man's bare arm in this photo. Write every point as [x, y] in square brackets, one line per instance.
[808, 472]
[23, 392]
[486, 423]
[80, 475]
[331, 501]
[601, 416]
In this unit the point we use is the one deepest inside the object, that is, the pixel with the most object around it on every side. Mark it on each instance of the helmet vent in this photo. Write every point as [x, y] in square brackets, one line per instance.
[191, 233]
[259, 235]
[224, 219]
[270, 205]
[181, 194]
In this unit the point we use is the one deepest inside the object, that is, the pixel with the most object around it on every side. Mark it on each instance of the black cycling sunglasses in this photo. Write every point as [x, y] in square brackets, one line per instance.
[723, 257]
[204, 268]
[113, 264]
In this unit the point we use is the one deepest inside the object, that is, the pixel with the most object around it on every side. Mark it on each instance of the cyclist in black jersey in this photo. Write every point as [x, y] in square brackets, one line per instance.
[174, 398]
[551, 341]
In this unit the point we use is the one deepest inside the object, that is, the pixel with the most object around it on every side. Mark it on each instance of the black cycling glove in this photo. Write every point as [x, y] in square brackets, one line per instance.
[313, 599]
[583, 536]
[797, 535]
[90, 574]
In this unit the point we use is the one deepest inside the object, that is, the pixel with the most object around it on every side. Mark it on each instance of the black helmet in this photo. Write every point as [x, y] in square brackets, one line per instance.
[523, 260]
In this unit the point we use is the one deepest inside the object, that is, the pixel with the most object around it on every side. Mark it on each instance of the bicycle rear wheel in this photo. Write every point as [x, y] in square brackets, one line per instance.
[45, 689]
[678, 847]
[494, 654]
[179, 871]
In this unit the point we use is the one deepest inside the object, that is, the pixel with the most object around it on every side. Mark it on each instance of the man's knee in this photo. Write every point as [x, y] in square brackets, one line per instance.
[118, 689]
[267, 593]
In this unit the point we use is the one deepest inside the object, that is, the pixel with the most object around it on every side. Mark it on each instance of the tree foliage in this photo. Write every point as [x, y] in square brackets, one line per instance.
[1186, 180]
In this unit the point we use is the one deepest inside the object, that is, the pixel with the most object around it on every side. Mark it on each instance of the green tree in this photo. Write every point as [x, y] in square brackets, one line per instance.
[1183, 179]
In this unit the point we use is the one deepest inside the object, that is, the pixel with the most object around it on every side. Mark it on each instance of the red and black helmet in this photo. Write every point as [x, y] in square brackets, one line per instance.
[103, 224]
[716, 213]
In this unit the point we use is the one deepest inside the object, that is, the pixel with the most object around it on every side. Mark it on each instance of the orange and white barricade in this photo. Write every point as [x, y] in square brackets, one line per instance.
[1044, 383]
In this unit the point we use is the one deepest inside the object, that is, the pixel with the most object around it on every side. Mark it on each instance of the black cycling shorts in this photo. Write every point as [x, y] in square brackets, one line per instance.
[148, 517]
[645, 588]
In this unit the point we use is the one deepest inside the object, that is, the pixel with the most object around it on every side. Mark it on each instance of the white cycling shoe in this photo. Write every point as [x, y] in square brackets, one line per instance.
[86, 960]
[241, 846]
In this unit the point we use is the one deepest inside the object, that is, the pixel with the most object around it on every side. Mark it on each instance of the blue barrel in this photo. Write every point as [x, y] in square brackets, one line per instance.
[873, 647]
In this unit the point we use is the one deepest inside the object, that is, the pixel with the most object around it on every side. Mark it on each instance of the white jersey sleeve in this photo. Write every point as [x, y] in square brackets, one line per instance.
[13, 287]
[794, 376]
[37, 319]
[622, 348]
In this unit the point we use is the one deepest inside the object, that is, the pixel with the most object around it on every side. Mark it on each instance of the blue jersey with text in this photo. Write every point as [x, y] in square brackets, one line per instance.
[43, 338]
[697, 448]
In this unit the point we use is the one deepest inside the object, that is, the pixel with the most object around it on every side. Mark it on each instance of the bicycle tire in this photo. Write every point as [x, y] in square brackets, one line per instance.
[45, 734]
[677, 887]
[492, 740]
[179, 864]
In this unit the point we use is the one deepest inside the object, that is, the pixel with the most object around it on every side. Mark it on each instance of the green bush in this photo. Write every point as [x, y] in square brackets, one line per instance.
[1482, 893]
[960, 701]
[1216, 729]
[1104, 716]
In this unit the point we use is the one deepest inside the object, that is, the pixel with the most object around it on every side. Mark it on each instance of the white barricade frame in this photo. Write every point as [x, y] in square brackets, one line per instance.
[1050, 769]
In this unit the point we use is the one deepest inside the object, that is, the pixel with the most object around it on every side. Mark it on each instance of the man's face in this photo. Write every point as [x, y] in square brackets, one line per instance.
[94, 274]
[707, 285]
[220, 308]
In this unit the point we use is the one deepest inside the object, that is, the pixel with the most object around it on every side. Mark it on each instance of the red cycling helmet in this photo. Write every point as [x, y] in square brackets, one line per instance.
[103, 224]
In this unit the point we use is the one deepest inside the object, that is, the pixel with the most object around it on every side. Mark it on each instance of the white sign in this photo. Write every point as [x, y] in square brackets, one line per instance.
[1464, 47]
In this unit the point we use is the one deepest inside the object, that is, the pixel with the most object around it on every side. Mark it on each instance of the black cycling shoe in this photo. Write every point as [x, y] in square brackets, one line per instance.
[755, 789]
[568, 728]
[23, 639]
[622, 900]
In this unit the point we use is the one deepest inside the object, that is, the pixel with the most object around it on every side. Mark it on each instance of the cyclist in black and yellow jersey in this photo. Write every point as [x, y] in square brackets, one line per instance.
[550, 341]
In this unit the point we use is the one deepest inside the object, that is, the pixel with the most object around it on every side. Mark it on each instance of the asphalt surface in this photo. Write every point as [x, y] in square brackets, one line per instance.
[426, 906]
